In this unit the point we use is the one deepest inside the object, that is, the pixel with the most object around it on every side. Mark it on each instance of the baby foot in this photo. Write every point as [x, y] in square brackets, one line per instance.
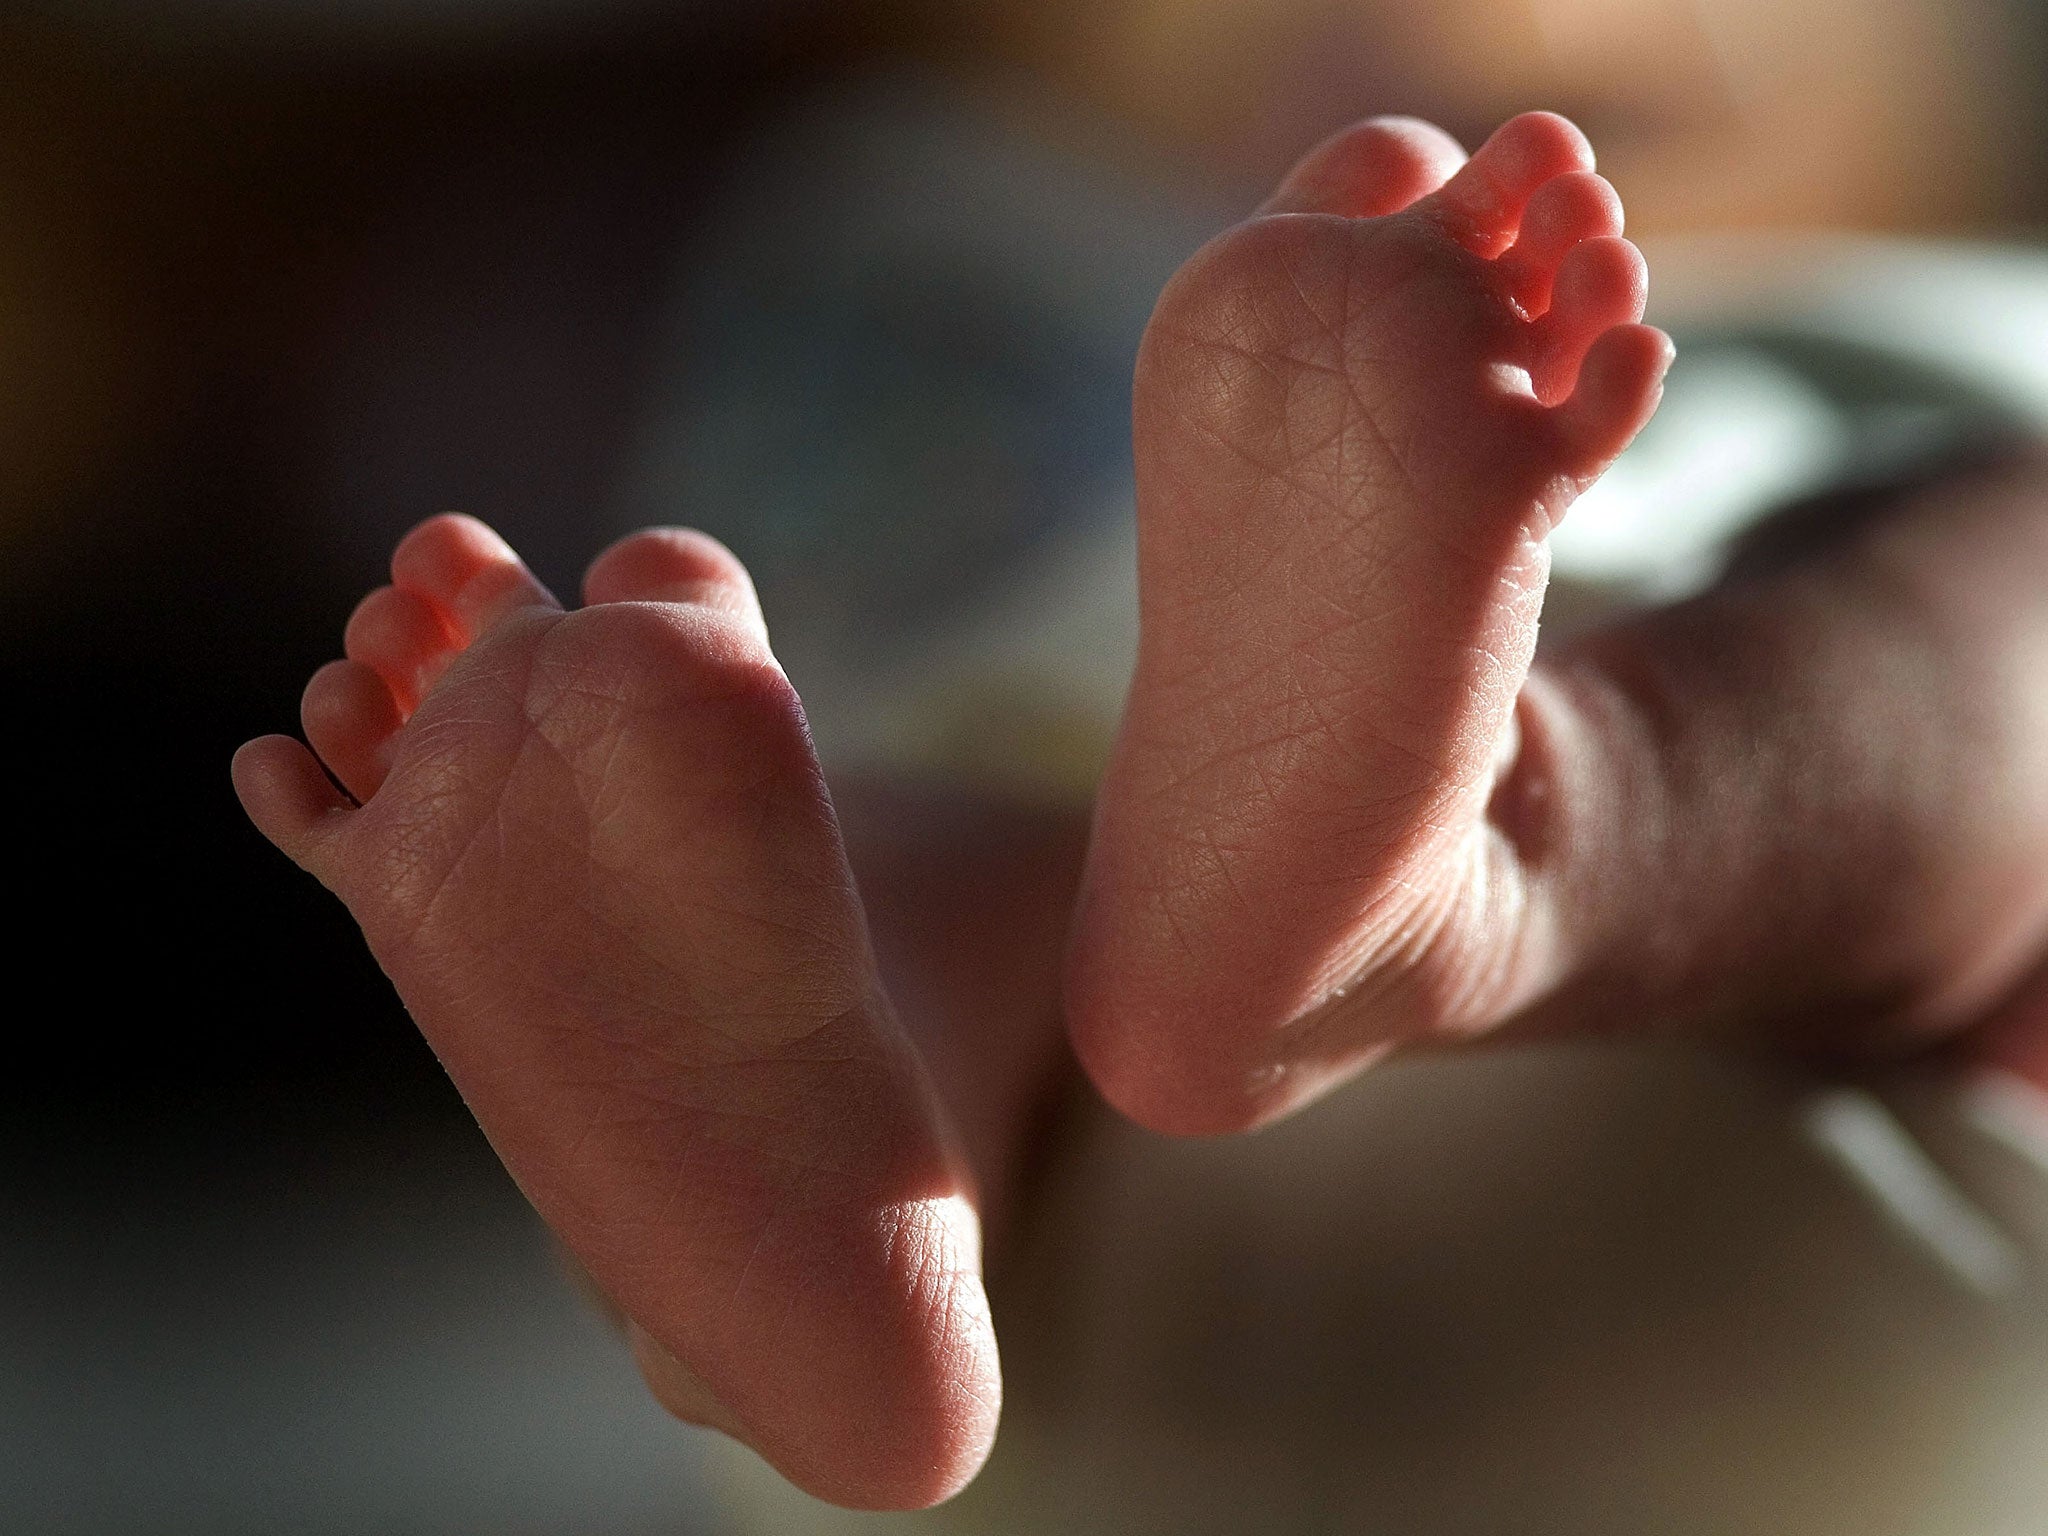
[1357, 416]
[594, 853]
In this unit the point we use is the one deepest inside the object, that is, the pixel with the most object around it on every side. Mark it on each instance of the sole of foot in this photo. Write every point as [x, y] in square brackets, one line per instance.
[594, 853]
[1357, 416]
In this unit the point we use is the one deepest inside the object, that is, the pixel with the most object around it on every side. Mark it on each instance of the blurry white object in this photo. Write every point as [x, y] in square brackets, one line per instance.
[1737, 433]
[1854, 1127]
[1959, 334]
[1979, 312]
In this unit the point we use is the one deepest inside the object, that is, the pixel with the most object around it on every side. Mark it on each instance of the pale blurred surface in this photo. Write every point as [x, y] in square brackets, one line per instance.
[1574, 1290]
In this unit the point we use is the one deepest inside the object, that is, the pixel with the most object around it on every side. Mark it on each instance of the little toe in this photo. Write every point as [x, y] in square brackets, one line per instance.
[1482, 205]
[1619, 384]
[1600, 284]
[352, 722]
[469, 574]
[291, 800]
[674, 565]
[401, 637]
[1564, 212]
[1370, 169]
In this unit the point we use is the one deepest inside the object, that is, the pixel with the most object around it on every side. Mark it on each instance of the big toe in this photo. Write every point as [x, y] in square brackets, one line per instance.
[1372, 168]
[673, 565]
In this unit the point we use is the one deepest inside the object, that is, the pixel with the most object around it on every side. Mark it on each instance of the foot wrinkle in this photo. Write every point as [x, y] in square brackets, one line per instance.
[1358, 409]
[430, 910]
[776, 1205]
[1331, 326]
[1281, 367]
[761, 1152]
[1386, 965]
[505, 827]
[1286, 471]
[592, 782]
[756, 1049]
[1269, 359]
[1400, 805]
[1289, 469]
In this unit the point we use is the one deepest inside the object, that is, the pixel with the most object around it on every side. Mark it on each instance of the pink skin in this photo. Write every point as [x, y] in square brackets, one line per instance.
[1357, 416]
[1344, 816]
[594, 854]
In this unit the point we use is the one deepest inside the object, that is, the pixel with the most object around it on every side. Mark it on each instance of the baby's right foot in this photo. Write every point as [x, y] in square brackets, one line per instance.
[1357, 416]
[594, 852]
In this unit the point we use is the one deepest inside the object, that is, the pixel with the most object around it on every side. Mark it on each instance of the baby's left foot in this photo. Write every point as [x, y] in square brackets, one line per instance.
[594, 853]
[1357, 416]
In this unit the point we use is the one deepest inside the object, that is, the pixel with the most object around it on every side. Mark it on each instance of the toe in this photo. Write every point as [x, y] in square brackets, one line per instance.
[1566, 211]
[1618, 387]
[470, 575]
[673, 565]
[352, 721]
[1482, 205]
[1373, 168]
[1600, 284]
[400, 636]
[291, 800]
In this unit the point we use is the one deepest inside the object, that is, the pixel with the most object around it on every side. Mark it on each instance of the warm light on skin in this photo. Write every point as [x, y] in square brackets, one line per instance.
[594, 852]
[937, 1243]
[1288, 865]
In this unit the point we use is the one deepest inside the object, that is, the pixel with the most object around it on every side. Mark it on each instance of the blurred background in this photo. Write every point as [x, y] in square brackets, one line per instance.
[854, 286]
